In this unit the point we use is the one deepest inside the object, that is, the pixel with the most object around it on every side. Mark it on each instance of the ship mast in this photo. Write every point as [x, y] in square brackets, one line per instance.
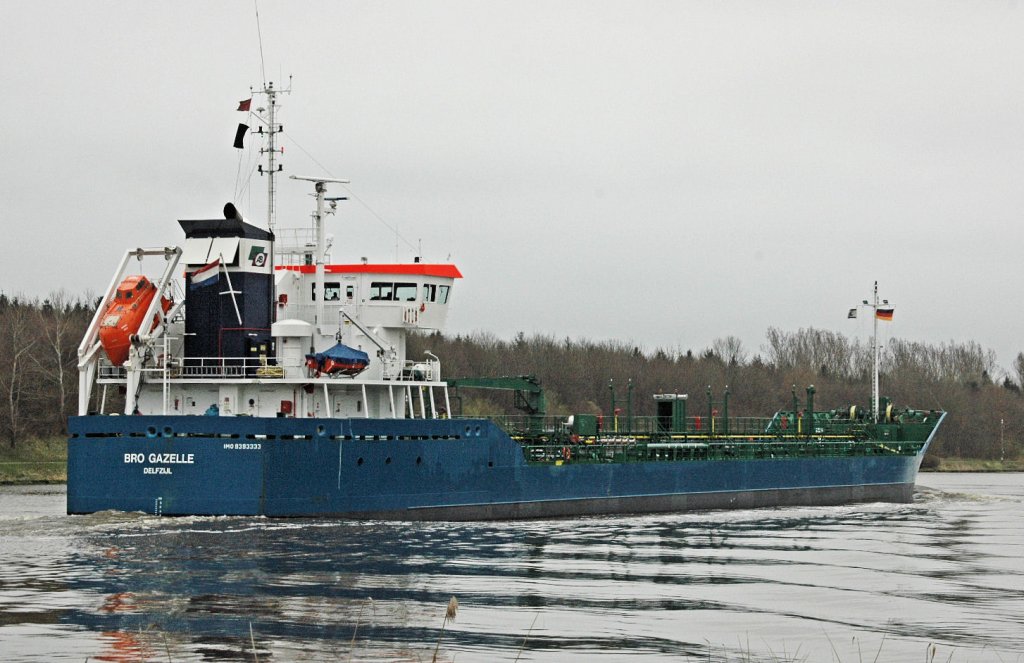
[320, 186]
[271, 149]
[874, 350]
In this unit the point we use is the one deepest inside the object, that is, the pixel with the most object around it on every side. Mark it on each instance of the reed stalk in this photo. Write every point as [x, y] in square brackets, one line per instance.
[449, 615]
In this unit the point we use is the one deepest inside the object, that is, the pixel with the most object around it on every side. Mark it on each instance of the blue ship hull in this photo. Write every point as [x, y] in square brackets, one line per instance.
[422, 470]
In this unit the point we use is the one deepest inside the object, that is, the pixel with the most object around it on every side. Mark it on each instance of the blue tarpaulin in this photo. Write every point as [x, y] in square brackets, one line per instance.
[339, 359]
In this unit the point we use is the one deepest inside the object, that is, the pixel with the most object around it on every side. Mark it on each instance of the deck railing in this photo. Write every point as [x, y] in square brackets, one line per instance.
[655, 429]
[256, 367]
[626, 439]
[611, 451]
[205, 367]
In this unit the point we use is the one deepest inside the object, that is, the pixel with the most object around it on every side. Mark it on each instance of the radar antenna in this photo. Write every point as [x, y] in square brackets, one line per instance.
[320, 186]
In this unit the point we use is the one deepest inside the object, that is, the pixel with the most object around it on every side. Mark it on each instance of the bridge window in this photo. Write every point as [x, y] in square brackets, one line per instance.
[443, 294]
[429, 292]
[380, 291]
[332, 291]
[350, 291]
[405, 292]
[399, 292]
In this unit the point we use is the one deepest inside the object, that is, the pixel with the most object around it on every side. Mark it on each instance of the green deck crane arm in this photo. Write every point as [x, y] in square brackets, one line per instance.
[529, 396]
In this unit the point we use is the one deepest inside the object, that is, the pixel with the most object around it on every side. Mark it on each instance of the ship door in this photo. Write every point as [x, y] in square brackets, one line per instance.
[349, 291]
[664, 413]
[261, 353]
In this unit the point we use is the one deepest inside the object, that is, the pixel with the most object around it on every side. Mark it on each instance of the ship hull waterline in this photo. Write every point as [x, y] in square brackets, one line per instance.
[425, 470]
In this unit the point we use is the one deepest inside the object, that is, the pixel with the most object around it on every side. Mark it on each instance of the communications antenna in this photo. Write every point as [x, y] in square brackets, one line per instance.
[271, 149]
[320, 189]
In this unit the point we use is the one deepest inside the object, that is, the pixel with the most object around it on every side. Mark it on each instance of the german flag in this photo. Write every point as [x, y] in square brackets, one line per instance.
[884, 314]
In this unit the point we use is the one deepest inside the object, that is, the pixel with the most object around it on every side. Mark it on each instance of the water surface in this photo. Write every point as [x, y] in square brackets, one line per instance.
[814, 584]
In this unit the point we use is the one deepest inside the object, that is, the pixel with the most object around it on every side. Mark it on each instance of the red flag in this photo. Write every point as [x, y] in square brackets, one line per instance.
[244, 105]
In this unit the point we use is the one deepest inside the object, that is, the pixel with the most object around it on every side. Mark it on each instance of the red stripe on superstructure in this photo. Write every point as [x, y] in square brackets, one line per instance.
[418, 269]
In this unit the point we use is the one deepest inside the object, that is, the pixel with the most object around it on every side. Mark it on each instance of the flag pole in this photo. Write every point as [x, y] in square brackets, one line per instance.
[874, 347]
[231, 288]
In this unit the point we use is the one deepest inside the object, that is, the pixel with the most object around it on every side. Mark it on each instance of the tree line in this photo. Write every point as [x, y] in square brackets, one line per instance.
[39, 363]
[986, 410]
[39, 376]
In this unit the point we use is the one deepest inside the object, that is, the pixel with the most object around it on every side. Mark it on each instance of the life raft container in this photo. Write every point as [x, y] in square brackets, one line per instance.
[123, 317]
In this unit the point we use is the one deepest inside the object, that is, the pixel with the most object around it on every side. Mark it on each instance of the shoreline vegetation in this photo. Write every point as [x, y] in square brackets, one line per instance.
[34, 461]
[982, 432]
[45, 462]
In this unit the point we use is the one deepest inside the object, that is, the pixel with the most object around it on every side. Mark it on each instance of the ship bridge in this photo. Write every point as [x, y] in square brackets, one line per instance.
[404, 296]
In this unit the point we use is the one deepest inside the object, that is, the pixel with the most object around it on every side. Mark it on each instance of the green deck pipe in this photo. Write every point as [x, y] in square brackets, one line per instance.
[711, 420]
[685, 425]
[615, 419]
[629, 405]
[725, 411]
[796, 413]
[810, 408]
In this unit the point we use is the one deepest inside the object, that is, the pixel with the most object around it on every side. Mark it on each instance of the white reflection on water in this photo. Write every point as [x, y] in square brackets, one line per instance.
[834, 583]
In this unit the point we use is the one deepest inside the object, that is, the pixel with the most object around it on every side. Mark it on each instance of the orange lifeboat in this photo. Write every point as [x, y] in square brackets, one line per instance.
[123, 317]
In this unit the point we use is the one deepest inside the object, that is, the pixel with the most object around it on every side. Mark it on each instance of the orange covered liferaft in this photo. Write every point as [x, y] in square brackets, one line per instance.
[123, 316]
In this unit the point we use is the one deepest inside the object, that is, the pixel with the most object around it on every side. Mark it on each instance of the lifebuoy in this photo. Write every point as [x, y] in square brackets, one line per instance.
[566, 453]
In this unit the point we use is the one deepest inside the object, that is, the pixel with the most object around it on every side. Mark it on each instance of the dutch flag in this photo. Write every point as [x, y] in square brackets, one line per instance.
[207, 275]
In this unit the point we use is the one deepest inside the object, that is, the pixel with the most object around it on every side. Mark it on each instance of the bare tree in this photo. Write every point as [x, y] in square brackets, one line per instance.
[826, 352]
[17, 338]
[730, 350]
[59, 330]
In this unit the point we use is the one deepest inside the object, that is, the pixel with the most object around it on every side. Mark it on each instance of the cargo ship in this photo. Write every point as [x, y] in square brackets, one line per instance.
[259, 378]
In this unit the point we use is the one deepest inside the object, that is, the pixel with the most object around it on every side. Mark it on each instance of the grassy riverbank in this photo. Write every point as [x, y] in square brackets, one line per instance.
[34, 461]
[977, 465]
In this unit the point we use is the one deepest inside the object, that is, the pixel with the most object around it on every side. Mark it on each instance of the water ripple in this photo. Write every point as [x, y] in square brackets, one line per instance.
[830, 583]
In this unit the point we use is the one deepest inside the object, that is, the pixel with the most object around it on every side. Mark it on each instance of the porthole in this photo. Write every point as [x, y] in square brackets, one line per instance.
[419, 460]
[359, 462]
[387, 461]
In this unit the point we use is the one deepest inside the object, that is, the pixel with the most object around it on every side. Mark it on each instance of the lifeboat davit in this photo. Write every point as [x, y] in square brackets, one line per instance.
[123, 317]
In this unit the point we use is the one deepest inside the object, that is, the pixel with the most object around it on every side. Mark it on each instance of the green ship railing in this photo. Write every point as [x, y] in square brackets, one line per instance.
[607, 452]
[554, 440]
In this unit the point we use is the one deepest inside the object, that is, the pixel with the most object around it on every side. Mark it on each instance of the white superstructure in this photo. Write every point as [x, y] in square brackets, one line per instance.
[233, 276]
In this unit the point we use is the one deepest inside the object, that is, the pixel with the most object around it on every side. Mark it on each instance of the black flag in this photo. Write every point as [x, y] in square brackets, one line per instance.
[240, 135]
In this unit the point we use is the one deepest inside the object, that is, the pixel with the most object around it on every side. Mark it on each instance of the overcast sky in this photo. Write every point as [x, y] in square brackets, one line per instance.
[664, 173]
